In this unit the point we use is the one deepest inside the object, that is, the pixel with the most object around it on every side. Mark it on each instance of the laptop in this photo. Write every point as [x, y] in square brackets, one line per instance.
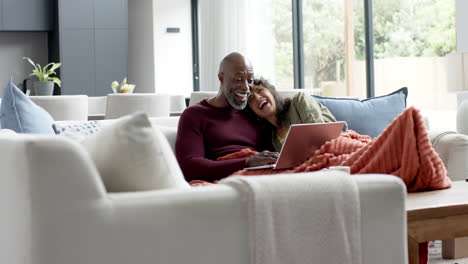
[302, 141]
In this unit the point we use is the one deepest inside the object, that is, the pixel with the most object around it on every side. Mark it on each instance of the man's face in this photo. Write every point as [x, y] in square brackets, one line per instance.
[236, 83]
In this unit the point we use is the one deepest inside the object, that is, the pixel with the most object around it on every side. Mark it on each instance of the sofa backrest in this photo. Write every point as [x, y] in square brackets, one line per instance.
[168, 126]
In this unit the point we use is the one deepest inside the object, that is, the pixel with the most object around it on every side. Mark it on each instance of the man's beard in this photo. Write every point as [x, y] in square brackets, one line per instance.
[231, 97]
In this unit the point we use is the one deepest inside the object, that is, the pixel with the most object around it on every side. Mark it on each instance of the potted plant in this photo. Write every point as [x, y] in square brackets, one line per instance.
[123, 87]
[45, 83]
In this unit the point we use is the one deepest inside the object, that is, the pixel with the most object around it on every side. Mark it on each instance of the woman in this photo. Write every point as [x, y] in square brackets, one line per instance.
[402, 149]
[281, 113]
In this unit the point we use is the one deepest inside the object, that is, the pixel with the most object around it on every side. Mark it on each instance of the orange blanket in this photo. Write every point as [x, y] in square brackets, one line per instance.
[403, 149]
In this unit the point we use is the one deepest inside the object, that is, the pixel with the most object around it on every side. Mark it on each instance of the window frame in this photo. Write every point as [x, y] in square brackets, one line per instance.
[298, 46]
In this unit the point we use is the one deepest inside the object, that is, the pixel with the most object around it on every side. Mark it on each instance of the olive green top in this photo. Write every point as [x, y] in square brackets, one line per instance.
[303, 109]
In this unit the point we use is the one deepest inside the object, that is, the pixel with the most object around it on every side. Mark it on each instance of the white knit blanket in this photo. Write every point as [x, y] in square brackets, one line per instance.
[302, 218]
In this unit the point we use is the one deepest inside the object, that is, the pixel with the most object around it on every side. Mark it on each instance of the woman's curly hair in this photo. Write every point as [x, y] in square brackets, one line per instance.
[282, 104]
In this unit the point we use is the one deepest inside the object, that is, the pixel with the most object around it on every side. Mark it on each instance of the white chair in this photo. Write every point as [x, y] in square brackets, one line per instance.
[196, 97]
[64, 107]
[154, 105]
[97, 106]
[177, 104]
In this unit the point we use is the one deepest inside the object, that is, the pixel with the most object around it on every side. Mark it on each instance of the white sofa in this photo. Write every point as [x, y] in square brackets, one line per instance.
[55, 210]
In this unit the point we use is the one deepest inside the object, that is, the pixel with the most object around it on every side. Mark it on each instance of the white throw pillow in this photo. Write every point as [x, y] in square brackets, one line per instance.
[131, 155]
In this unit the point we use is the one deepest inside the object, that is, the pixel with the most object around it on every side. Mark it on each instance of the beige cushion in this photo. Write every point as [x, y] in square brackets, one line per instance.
[131, 155]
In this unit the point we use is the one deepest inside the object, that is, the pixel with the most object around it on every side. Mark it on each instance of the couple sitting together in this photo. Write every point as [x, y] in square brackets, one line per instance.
[245, 125]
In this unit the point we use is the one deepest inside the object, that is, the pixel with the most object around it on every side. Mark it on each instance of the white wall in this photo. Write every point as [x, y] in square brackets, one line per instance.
[141, 46]
[226, 26]
[461, 8]
[13, 47]
[158, 61]
[173, 51]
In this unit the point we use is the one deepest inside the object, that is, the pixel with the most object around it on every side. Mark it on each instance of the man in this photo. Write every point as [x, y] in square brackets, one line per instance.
[215, 127]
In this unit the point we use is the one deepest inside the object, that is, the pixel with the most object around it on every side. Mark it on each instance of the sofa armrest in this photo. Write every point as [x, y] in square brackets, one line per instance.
[383, 218]
[453, 150]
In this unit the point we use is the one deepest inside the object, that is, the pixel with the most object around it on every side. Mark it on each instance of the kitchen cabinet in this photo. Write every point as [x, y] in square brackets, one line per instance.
[93, 45]
[109, 65]
[26, 15]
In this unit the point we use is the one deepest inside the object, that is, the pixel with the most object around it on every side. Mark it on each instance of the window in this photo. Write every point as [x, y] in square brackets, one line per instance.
[330, 42]
[411, 39]
[283, 45]
[260, 29]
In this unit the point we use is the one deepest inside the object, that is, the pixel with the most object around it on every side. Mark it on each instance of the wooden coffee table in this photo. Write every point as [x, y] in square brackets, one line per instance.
[436, 215]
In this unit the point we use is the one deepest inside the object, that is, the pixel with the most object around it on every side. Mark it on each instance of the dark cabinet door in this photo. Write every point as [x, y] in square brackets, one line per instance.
[111, 58]
[93, 45]
[77, 57]
[76, 14]
[1, 14]
[110, 14]
[27, 15]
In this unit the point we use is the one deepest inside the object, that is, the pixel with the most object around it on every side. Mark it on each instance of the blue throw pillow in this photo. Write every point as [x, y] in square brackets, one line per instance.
[370, 116]
[20, 114]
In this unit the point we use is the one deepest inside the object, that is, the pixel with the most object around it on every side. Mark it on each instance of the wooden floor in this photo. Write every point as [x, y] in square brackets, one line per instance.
[435, 255]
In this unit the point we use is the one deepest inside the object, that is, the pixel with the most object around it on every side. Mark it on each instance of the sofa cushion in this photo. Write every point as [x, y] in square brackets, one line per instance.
[131, 155]
[369, 116]
[20, 114]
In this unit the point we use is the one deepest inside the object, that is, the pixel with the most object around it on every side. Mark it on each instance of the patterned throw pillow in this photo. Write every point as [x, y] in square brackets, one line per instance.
[83, 128]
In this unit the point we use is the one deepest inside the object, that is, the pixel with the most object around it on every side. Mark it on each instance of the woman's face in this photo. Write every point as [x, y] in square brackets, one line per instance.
[262, 102]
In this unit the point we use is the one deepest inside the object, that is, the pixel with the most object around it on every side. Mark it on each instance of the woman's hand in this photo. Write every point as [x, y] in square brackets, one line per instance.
[262, 158]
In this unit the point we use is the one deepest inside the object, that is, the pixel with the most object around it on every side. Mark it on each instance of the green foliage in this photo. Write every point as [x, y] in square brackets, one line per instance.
[402, 28]
[44, 74]
[409, 29]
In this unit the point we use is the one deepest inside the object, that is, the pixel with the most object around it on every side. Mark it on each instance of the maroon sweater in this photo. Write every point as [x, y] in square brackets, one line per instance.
[206, 133]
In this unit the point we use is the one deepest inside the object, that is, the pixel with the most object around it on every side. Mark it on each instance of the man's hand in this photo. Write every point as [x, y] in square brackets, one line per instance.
[262, 158]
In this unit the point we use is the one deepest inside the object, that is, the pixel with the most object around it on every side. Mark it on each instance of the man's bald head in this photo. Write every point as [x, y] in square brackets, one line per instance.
[233, 58]
[235, 77]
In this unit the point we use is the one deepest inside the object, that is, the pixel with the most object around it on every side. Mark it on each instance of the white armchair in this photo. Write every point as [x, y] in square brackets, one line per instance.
[97, 105]
[64, 107]
[177, 104]
[196, 97]
[55, 209]
[153, 105]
